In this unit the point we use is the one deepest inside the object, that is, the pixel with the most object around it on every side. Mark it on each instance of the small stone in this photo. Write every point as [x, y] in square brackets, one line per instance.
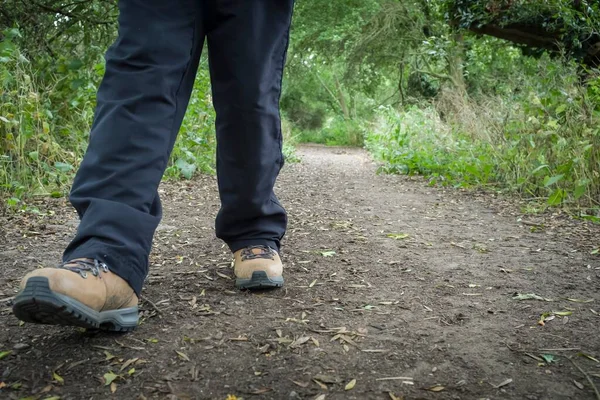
[294, 396]
[21, 346]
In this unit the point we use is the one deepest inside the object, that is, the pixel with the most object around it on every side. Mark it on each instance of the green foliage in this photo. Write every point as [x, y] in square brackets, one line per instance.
[39, 145]
[195, 145]
[543, 141]
[416, 141]
[335, 132]
[46, 112]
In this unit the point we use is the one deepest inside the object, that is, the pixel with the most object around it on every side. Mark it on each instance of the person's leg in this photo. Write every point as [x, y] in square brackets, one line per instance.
[150, 73]
[247, 50]
[149, 76]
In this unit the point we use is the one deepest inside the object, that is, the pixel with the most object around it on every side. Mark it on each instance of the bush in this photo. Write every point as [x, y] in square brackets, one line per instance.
[542, 142]
[336, 132]
[46, 112]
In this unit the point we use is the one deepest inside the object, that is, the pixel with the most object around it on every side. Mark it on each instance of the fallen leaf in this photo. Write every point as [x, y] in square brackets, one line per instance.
[3, 354]
[312, 283]
[394, 397]
[183, 356]
[2, 385]
[503, 383]
[328, 253]
[109, 377]
[113, 387]
[301, 384]
[529, 296]
[395, 378]
[128, 363]
[536, 358]
[321, 384]
[579, 385]
[300, 341]
[548, 358]
[327, 378]
[350, 385]
[588, 357]
[223, 275]
[50, 398]
[315, 341]
[562, 313]
[109, 356]
[398, 236]
[131, 371]
[581, 301]
[436, 388]
[58, 378]
[545, 317]
[261, 391]
[320, 397]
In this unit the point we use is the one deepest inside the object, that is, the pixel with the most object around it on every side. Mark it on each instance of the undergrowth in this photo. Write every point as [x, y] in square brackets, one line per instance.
[542, 142]
[46, 112]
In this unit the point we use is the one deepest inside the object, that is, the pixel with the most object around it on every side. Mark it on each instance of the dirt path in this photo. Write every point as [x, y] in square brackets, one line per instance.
[430, 308]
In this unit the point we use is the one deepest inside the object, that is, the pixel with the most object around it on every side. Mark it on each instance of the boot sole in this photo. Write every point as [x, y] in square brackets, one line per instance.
[258, 281]
[37, 304]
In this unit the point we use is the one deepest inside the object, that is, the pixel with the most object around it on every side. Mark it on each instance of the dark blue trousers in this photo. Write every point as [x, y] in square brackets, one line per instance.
[150, 72]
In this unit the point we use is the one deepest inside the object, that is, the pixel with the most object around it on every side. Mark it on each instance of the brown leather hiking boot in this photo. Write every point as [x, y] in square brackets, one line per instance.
[257, 267]
[82, 292]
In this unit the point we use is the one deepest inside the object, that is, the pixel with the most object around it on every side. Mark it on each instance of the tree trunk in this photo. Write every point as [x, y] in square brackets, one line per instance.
[342, 99]
[455, 61]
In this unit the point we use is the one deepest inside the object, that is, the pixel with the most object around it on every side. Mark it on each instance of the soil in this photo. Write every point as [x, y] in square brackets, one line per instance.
[405, 288]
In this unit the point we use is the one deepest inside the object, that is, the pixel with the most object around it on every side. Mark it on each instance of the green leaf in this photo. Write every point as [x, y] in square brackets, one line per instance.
[328, 253]
[557, 197]
[579, 191]
[76, 64]
[595, 251]
[58, 378]
[398, 236]
[551, 181]
[34, 155]
[186, 169]
[562, 313]
[56, 194]
[549, 358]
[63, 167]
[4, 354]
[109, 377]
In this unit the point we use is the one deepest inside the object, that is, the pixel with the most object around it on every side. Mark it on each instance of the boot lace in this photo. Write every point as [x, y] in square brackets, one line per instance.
[82, 267]
[266, 253]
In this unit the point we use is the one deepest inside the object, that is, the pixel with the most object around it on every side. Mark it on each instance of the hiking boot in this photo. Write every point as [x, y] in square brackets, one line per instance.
[82, 292]
[257, 267]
